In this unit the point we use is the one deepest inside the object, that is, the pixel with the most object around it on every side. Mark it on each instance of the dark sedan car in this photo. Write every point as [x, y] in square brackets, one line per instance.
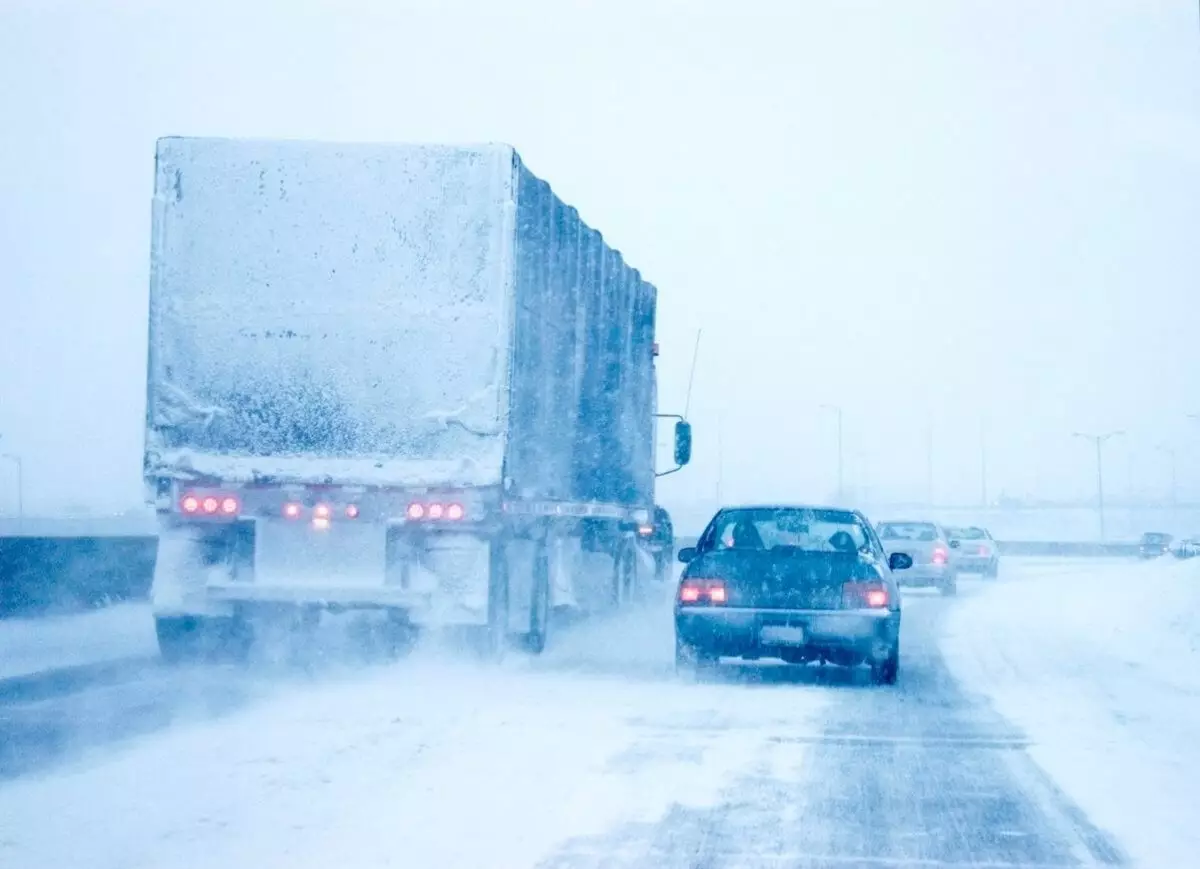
[797, 583]
[1154, 544]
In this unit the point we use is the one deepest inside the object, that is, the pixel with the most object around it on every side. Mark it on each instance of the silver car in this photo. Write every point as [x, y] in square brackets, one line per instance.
[974, 551]
[929, 547]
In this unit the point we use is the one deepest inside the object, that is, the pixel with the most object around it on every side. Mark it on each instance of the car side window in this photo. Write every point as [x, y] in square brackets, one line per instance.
[876, 545]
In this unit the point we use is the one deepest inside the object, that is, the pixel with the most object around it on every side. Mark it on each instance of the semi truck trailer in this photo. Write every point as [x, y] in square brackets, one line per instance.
[405, 378]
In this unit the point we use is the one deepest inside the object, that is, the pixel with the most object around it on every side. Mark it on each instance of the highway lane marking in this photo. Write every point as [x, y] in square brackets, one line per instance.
[997, 743]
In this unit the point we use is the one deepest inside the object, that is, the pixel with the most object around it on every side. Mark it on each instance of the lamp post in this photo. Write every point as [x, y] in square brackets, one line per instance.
[1099, 440]
[1170, 454]
[841, 478]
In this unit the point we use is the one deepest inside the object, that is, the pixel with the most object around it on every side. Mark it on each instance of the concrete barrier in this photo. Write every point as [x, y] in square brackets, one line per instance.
[63, 574]
[42, 575]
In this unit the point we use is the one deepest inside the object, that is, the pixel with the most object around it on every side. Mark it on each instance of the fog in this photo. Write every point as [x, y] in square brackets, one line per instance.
[970, 220]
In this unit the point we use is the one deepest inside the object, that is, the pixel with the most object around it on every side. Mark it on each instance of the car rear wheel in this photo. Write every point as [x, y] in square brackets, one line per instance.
[950, 586]
[691, 661]
[886, 672]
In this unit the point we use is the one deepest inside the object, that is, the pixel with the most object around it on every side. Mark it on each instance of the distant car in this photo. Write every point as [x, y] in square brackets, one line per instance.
[929, 547]
[796, 583]
[658, 538]
[1154, 544]
[974, 551]
[1187, 548]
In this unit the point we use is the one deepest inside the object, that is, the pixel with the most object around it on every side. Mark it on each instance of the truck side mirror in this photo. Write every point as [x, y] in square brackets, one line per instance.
[683, 442]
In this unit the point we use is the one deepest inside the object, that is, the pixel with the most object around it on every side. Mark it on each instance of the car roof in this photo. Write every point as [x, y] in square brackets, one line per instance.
[830, 507]
[910, 522]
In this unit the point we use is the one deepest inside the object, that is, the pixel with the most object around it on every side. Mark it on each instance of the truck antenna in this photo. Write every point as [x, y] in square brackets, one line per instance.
[687, 404]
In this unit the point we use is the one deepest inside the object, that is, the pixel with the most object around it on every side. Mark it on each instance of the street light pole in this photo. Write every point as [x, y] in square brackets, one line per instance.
[1099, 442]
[983, 492]
[841, 476]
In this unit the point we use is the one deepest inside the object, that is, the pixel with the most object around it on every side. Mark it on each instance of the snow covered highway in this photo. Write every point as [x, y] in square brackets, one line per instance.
[1041, 720]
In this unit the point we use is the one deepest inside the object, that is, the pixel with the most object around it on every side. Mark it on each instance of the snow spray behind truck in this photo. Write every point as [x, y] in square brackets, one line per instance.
[393, 377]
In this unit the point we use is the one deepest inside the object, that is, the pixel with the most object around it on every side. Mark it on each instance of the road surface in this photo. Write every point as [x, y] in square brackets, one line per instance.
[766, 767]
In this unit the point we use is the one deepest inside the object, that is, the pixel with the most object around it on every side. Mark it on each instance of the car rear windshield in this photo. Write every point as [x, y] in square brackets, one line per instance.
[792, 528]
[922, 531]
[1150, 537]
[967, 533]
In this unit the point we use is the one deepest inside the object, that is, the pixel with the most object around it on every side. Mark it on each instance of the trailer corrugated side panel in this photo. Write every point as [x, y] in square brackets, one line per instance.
[582, 378]
[322, 310]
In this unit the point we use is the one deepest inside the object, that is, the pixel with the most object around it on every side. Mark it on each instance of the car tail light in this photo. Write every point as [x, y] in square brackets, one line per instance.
[351, 511]
[940, 556]
[322, 511]
[645, 530]
[865, 595]
[983, 550]
[291, 510]
[696, 591]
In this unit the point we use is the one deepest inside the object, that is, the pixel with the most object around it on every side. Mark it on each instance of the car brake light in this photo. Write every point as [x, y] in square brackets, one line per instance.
[351, 511]
[939, 556]
[322, 511]
[698, 590]
[645, 530]
[860, 595]
[291, 510]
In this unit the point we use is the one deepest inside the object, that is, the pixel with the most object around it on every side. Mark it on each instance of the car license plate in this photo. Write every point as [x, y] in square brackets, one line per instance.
[780, 635]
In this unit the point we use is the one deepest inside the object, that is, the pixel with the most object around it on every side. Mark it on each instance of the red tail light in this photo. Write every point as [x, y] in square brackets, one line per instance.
[216, 504]
[865, 595]
[435, 511]
[210, 505]
[983, 550]
[940, 556]
[696, 591]
[230, 506]
[190, 504]
[322, 511]
[291, 510]
[645, 530]
[351, 511]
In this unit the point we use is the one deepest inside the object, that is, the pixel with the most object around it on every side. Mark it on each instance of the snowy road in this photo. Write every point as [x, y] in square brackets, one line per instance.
[591, 756]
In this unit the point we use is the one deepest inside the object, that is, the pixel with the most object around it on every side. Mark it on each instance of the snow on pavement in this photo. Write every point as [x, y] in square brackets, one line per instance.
[35, 645]
[429, 762]
[1099, 663]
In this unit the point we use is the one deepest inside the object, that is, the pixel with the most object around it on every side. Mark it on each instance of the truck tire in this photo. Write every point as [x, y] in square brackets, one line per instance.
[191, 639]
[495, 635]
[539, 603]
[624, 581]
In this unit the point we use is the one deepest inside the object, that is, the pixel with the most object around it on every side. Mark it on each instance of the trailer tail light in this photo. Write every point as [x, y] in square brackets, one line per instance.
[214, 504]
[699, 591]
[230, 506]
[435, 511]
[190, 504]
[322, 511]
[864, 595]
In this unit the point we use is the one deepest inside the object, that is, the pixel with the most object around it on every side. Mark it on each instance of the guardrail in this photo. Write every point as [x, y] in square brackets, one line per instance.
[64, 574]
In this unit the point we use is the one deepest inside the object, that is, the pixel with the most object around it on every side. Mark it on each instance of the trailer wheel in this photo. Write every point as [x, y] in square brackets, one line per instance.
[496, 633]
[624, 583]
[539, 605]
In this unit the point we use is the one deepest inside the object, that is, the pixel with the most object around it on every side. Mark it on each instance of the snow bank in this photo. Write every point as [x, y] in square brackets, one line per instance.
[1100, 665]
[114, 633]
[428, 763]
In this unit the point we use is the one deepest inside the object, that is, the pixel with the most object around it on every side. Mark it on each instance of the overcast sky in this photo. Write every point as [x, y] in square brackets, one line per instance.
[926, 212]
